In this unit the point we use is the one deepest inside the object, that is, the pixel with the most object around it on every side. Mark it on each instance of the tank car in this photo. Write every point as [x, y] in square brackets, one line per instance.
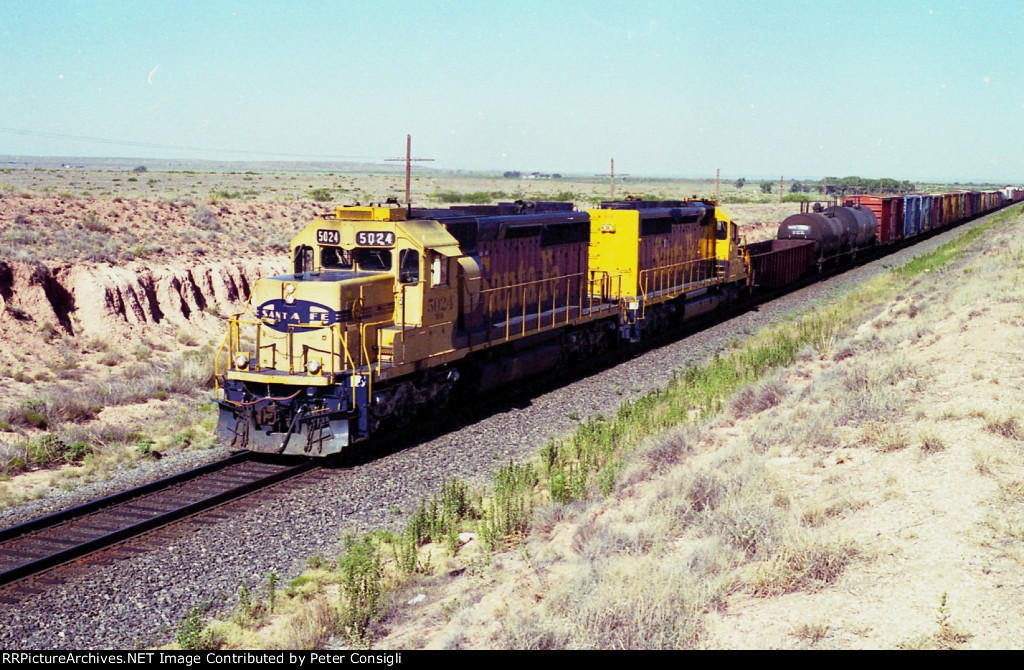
[859, 224]
[835, 230]
[884, 209]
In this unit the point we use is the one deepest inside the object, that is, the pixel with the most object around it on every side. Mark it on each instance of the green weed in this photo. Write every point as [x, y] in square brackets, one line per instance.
[507, 514]
[362, 587]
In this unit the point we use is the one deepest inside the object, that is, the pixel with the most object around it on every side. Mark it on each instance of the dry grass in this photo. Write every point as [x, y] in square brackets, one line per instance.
[884, 436]
[949, 635]
[806, 561]
[1006, 425]
[108, 419]
[311, 626]
[931, 442]
[813, 632]
[653, 604]
[759, 397]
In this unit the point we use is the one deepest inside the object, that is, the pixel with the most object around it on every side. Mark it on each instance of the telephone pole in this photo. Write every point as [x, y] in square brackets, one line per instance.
[612, 175]
[408, 167]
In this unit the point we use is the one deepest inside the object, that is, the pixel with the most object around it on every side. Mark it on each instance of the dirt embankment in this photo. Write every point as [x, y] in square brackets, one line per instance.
[124, 270]
[121, 302]
[107, 340]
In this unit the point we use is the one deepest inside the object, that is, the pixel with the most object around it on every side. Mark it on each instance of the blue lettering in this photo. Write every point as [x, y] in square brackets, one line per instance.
[278, 314]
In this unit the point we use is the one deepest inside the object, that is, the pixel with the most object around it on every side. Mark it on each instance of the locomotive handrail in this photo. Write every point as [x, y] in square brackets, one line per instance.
[603, 280]
[216, 363]
[500, 300]
[401, 301]
[344, 346]
[524, 289]
[668, 281]
[366, 352]
[749, 269]
[334, 328]
[224, 343]
[340, 359]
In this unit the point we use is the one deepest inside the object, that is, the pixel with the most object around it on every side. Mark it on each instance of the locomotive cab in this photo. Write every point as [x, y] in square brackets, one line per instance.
[731, 265]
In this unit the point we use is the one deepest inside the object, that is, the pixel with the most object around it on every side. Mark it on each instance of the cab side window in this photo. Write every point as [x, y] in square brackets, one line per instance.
[408, 266]
[439, 271]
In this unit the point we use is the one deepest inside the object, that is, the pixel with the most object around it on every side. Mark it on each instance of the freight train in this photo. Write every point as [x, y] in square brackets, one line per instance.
[392, 311]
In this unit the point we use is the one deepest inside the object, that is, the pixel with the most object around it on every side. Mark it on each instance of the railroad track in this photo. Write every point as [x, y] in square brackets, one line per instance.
[41, 544]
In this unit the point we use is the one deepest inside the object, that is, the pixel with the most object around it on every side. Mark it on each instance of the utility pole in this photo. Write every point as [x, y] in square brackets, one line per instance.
[612, 174]
[408, 167]
[718, 184]
[780, 189]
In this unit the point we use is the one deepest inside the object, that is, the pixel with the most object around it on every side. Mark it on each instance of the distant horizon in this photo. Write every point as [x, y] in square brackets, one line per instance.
[6, 161]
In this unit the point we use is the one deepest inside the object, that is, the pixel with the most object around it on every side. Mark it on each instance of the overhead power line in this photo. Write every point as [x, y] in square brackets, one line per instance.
[176, 147]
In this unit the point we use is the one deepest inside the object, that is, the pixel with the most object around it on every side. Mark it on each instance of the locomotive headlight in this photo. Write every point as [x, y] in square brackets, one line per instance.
[313, 366]
[289, 293]
[241, 360]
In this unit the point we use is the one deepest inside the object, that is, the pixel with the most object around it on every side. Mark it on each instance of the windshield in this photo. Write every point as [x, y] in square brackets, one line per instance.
[335, 258]
[373, 260]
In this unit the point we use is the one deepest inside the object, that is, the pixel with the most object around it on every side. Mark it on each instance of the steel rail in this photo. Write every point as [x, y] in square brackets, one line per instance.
[129, 530]
[118, 498]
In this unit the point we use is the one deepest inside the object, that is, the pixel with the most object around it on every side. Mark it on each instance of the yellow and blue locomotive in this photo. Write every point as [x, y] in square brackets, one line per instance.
[389, 310]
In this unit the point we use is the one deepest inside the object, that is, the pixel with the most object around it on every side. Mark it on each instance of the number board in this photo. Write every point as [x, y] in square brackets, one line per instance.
[327, 236]
[366, 238]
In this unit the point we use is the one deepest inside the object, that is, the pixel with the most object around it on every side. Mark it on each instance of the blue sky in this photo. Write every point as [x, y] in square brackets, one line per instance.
[912, 90]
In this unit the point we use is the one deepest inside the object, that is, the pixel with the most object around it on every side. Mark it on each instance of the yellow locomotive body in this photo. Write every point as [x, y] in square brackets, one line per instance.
[668, 258]
[387, 311]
